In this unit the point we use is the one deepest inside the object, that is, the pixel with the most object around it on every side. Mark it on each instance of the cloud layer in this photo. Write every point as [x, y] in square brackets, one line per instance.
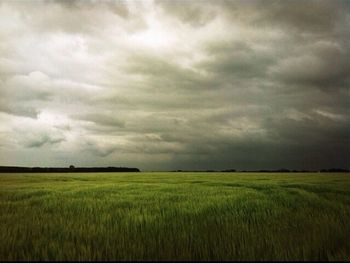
[164, 85]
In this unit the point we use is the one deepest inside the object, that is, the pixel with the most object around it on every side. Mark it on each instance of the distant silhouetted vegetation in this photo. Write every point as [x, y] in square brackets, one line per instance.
[229, 171]
[70, 169]
[283, 170]
[335, 170]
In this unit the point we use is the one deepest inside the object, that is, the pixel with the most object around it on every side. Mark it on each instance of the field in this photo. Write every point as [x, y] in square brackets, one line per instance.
[175, 216]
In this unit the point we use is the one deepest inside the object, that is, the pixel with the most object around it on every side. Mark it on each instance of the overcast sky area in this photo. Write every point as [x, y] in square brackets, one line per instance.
[165, 85]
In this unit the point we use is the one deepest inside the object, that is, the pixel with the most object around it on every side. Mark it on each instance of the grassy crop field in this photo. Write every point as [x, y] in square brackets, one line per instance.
[175, 216]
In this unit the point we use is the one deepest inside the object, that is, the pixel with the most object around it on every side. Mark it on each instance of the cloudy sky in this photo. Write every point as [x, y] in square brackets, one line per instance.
[163, 85]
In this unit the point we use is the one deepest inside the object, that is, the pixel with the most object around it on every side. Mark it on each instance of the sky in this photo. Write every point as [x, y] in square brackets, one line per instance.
[167, 85]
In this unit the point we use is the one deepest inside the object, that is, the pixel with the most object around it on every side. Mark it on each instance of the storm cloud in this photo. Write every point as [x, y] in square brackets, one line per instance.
[164, 85]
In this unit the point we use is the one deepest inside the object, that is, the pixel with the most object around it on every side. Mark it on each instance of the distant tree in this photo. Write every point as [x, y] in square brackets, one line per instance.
[71, 167]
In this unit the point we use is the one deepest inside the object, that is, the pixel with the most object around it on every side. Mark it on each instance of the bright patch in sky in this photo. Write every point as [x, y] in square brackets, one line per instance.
[155, 36]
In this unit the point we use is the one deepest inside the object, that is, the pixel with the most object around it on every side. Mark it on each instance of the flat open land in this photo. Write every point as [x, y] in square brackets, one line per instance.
[175, 216]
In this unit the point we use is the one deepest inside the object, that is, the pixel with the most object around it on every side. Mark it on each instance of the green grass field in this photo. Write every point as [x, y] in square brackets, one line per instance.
[175, 216]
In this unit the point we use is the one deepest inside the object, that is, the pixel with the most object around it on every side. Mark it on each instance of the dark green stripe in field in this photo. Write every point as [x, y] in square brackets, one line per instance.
[175, 216]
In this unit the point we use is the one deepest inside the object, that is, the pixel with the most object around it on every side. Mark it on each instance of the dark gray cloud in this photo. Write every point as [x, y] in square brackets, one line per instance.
[292, 15]
[18, 110]
[40, 141]
[194, 13]
[236, 60]
[325, 64]
[175, 84]
[107, 119]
